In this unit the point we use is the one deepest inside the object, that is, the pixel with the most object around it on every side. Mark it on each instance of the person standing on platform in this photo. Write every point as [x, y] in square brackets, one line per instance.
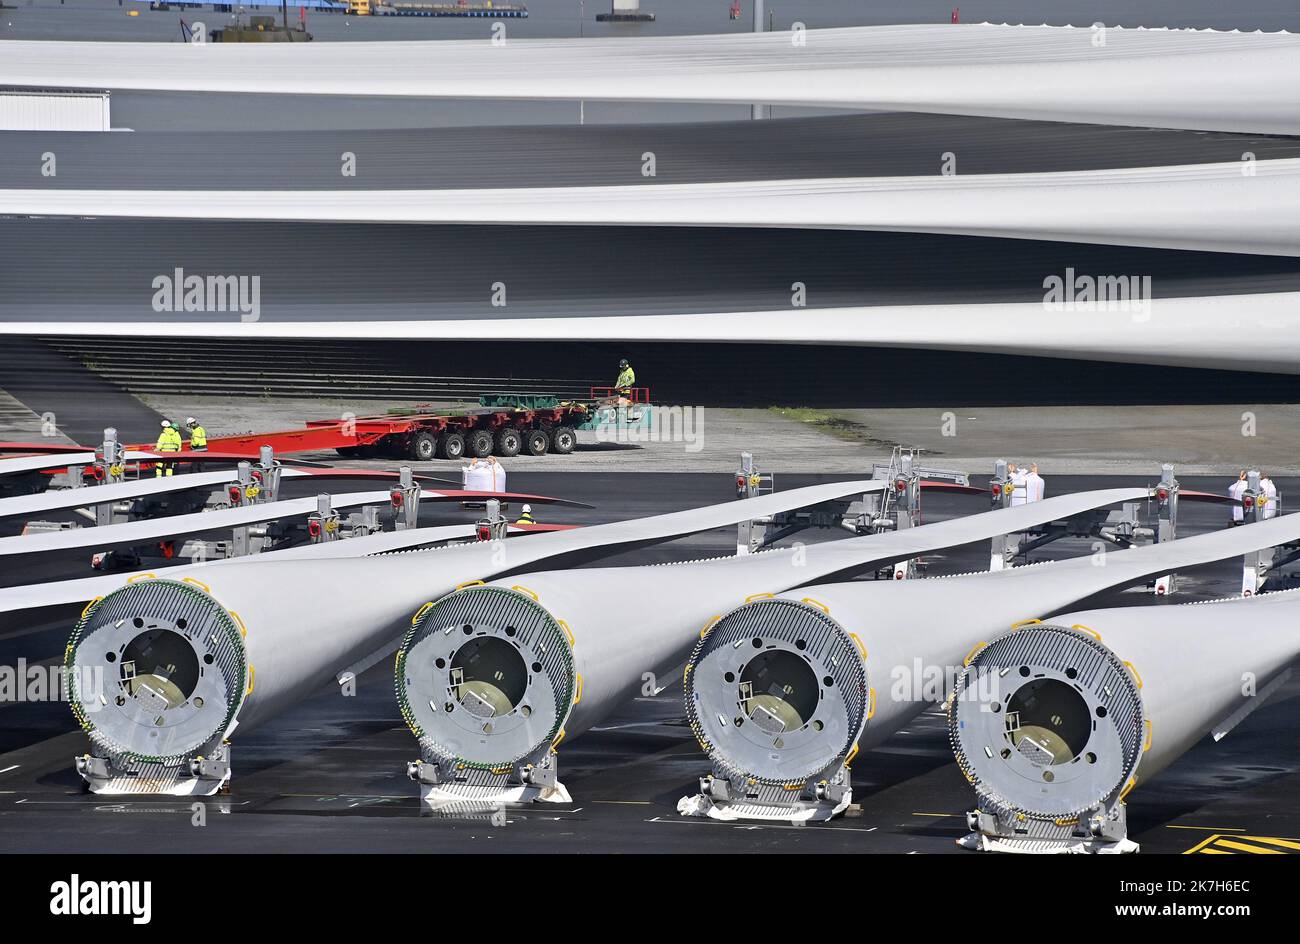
[1235, 491]
[169, 440]
[1270, 496]
[626, 380]
[1036, 487]
[1018, 479]
[198, 435]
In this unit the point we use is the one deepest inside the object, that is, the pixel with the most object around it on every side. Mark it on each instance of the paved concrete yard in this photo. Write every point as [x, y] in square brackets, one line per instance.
[1073, 440]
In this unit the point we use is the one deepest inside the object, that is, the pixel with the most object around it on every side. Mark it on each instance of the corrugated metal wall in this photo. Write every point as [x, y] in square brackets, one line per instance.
[53, 110]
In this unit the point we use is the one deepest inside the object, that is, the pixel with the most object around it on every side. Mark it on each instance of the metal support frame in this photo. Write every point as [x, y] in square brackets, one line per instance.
[109, 468]
[111, 458]
[323, 523]
[759, 111]
[405, 501]
[1130, 526]
[362, 523]
[493, 525]
[906, 487]
[750, 483]
[268, 473]
[1002, 549]
[1262, 569]
[448, 786]
[242, 491]
[110, 465]
[898, 507]
[1166, 524]
[854, 515]
[202, 775]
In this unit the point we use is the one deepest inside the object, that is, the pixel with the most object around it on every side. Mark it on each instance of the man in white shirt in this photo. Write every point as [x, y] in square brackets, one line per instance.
[1270, 493]
[1019, 482]
[1235, 491]
[1034, 484]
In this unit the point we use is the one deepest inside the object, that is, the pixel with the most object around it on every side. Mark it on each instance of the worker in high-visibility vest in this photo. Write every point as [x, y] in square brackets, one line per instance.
[626, 379]
[526, 515]
[198, 435]
[169, 440]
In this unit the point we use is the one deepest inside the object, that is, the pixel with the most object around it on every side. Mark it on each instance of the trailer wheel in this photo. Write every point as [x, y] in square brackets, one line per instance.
[537, 441]
[423, 446]
[452, 446]
[563, 440]
[509, 441]
[348, 452]
[479, 443]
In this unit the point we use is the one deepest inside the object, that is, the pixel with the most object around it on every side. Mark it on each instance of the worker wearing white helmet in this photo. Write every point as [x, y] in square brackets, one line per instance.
[526, 515]
[169, 440]
[198, 435]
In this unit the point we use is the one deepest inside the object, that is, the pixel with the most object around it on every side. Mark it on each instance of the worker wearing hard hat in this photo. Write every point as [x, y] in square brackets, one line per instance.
[626, 379]
[198, 435]
[526, 515]
[169, 440]
[1235, 491]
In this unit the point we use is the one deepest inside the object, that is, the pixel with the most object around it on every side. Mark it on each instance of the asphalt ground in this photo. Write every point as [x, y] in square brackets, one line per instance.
[77, 400]
[328, 776]
[1076, 439]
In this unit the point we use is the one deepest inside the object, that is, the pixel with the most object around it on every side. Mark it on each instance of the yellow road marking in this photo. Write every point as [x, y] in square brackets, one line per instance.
[1219, 844]
[1244, 847]
[1273, 840]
